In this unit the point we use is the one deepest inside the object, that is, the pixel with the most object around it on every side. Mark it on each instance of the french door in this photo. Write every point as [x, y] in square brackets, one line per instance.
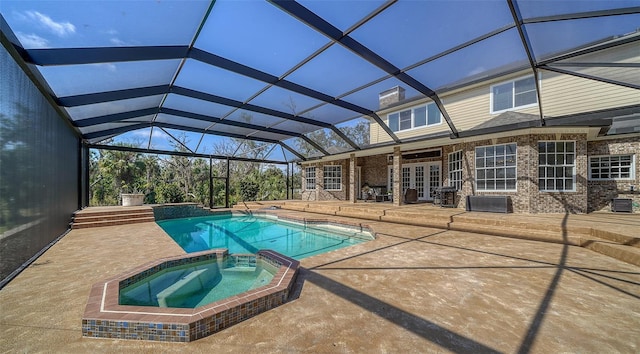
[423, 177]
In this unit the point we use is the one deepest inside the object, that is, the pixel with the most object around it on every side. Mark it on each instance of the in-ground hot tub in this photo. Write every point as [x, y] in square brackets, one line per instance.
[199, 283]
[106, 317]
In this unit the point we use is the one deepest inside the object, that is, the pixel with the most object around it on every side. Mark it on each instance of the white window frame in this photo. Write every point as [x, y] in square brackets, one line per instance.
[454, 167]
[490, 164]
[413, 118]
[310, 178]
[556, 165]
[333, 178]
[513, 106]
[602, 159]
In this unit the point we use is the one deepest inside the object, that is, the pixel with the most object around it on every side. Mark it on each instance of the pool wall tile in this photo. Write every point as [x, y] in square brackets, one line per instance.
[182, 210]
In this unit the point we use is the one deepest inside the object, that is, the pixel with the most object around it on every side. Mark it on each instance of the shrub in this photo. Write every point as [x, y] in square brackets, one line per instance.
[249, 190]
[169, 193]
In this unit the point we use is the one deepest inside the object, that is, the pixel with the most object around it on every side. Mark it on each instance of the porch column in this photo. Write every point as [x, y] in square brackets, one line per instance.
[397, 173]
[352, 178]
[319, 181]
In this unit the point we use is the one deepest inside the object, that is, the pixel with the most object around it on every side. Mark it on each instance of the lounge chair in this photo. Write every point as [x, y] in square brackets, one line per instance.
[410, 195]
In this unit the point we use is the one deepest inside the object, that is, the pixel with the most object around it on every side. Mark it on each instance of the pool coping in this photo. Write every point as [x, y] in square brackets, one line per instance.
[105, 318]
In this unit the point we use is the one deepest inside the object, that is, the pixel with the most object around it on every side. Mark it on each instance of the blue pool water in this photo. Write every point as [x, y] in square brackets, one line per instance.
[194, 285]
[249, 234]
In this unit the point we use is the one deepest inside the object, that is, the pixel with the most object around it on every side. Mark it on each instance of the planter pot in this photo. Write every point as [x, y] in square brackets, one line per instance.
[132, 199]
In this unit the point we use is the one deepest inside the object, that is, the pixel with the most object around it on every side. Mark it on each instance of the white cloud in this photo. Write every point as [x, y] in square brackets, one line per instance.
[158, 133]
[477, 70]
[109, 66]
[60, 29]
[117, 41]
[32, 40]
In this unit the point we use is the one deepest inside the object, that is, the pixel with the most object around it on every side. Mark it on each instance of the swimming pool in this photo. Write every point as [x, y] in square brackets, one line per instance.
[250, 233]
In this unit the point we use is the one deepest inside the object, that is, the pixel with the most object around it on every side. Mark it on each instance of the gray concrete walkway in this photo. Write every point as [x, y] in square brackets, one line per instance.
[414, 289]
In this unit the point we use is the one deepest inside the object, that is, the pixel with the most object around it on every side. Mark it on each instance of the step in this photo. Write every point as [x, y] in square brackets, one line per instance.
[322, 209]
[360, 212]
[616, 237]
[437, 221]
[510, 222]
[84, 225]
[107, 217]
[429, 218]
[115, 210]
[295, 206]
[575, 239]
[621, 252]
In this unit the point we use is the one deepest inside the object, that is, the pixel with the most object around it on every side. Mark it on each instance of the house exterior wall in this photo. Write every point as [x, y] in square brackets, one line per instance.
[526, 198]
[320, 193]
[588, 196]
[561, 202]
[472, 107]
[561, 94]
[566, 94]
[374, 170]
[601, 193]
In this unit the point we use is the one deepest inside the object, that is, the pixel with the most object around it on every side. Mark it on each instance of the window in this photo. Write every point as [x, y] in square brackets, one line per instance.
[513, 94]
[333, 178]
[612, 167]
[455, 169]
[310, 178]
[556, 166]
[415, 117]
[496, 168]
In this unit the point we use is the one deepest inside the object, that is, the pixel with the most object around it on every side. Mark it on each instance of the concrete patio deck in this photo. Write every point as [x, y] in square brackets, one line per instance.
[413, 289]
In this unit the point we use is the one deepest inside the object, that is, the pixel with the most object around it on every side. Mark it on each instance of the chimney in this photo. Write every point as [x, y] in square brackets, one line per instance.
[391, 96]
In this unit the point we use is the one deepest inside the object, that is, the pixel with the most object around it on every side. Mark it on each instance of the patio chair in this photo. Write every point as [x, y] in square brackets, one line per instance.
[410, 195]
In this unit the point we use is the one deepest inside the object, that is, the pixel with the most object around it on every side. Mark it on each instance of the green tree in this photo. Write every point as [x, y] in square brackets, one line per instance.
[126, 167]
[249, 189]
[169, 193]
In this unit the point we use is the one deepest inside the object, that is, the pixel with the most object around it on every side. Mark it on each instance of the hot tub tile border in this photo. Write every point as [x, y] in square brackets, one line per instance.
[104, 318]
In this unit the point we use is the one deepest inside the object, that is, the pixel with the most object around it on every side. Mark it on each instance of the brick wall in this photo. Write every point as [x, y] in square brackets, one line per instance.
[320, 193]
[602, 192]
[527, 198]
[556, 202]
[374, 169]
[588, 195]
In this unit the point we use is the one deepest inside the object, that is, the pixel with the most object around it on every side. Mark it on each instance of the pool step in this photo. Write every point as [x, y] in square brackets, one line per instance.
[97, 218]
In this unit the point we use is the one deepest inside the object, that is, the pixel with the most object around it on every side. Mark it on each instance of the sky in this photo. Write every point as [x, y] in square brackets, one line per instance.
[260, 35]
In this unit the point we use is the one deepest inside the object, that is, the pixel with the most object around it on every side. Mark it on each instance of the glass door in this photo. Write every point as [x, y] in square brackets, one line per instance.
[415, 176]
[434, 179]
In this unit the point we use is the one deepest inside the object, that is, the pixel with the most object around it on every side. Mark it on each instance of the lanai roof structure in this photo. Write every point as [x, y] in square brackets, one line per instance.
[275, 72]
